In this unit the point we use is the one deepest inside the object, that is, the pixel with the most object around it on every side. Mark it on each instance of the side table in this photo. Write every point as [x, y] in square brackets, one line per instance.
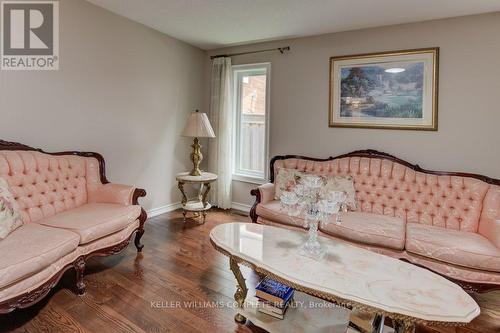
[198, 205]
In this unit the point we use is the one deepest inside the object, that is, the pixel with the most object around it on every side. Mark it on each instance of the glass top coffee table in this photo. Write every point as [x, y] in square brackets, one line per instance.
[348, 276]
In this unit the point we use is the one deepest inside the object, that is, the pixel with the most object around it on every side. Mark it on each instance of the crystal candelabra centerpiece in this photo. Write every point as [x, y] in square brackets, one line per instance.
[308, 201]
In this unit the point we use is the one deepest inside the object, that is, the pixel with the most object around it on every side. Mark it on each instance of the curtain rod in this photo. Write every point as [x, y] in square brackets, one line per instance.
[280, 49]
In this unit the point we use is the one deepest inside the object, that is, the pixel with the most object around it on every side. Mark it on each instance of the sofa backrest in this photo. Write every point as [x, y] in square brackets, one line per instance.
[389, 186]
[44, 184]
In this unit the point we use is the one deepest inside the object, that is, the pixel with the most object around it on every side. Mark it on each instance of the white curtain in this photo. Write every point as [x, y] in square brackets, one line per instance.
[220, 148]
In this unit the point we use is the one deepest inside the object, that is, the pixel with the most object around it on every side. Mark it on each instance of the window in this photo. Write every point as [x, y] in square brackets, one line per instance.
[251, 105]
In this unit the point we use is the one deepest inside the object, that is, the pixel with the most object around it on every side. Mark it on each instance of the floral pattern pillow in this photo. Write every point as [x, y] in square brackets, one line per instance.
[345, 184]
[286, 180]
[10, 219]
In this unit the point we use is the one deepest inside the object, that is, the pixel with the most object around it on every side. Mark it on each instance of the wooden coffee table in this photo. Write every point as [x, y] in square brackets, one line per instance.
[352, 277]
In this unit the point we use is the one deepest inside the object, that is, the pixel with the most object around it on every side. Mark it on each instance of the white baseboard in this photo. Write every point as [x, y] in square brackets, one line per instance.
[241, 207]
[163, 209]
[171, 207]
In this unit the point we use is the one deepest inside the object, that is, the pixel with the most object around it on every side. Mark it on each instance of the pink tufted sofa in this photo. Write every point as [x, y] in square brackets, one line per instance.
[447, 222]
[70, 213]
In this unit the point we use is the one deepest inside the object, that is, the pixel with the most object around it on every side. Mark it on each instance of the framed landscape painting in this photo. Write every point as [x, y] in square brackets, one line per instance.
[393, 90]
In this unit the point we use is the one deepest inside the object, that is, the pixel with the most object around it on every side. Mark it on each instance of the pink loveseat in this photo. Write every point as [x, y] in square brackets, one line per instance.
[447, 222]
[70, 213]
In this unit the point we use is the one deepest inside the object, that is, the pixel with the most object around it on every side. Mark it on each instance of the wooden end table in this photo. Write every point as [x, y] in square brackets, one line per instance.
[198, 205]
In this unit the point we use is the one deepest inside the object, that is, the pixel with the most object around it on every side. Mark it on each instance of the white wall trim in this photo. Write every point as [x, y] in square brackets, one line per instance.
[163, 209]
[249, 180]
[241, 207]
[171, 207]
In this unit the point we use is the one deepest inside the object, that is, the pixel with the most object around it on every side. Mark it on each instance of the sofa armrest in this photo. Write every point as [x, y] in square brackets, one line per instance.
[266, 192]
[489, 222]
[263, 194]
[116, 193]
[490, 229]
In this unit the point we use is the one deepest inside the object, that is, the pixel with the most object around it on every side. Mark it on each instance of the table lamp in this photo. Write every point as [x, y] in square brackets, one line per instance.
[197, 126]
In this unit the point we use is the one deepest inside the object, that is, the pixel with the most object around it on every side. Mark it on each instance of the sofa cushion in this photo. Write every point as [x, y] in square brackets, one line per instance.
[286, 180]
[272, 211]
[379, 230]
[31, 248]
[10, 219]
[457, 247]
[342, 184]
[94, 221]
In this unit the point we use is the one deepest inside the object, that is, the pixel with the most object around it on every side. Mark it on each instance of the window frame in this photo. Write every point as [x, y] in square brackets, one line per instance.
[238, 173]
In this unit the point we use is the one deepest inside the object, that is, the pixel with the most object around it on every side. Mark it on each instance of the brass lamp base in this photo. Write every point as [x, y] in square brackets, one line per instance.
[196, 158]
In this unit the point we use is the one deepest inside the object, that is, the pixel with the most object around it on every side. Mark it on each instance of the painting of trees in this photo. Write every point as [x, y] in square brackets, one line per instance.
[357, 83]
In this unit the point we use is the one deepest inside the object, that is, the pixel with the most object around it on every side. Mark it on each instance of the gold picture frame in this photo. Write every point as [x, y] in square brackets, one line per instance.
[385, 90]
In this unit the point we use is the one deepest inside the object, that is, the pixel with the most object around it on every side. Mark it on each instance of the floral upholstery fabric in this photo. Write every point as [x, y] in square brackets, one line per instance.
[10, 219]
[388, 188]
[286, 179]
[343, 184]
[466, 249]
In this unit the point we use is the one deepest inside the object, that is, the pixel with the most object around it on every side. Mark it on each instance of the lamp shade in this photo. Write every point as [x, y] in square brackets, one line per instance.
[198, 126]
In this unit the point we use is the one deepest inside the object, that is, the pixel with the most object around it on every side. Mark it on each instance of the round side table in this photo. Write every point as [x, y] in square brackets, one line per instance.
[198, 205]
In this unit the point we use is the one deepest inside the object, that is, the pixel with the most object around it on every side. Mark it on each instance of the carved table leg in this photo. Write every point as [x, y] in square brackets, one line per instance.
[379, 323]
[200, 192]
[79, 266]
[241, 290]
[204, 200]
[403, 327]
[180, 185]
[205, 195]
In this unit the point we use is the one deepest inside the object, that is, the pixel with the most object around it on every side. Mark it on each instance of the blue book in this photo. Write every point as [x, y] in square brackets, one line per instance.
[274, 292]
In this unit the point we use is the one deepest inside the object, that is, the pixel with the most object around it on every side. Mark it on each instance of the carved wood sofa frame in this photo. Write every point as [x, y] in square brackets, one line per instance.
[370, 153]
[36, 295]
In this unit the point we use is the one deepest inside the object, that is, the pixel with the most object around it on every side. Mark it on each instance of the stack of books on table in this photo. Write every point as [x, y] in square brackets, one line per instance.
[274, 297]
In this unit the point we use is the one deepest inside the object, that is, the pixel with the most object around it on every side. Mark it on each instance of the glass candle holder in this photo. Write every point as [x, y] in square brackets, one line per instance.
[339, 197]
[312, 247]
[308, 204]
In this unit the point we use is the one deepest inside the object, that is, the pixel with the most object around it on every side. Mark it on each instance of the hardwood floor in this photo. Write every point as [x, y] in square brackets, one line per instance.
[163, 289]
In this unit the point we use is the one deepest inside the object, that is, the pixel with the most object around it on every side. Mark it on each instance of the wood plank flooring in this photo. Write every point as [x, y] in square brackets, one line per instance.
[173, 286]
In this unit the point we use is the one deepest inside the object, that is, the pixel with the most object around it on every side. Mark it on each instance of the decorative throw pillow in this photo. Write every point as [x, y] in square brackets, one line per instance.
[10, 219]
[286, 180]
[345, 184]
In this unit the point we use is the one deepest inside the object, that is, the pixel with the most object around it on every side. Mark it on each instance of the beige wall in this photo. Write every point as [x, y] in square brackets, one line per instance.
[469, 106]
[123, 90]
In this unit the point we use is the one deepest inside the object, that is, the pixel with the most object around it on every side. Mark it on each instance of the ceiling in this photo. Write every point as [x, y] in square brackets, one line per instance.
[210, 24]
